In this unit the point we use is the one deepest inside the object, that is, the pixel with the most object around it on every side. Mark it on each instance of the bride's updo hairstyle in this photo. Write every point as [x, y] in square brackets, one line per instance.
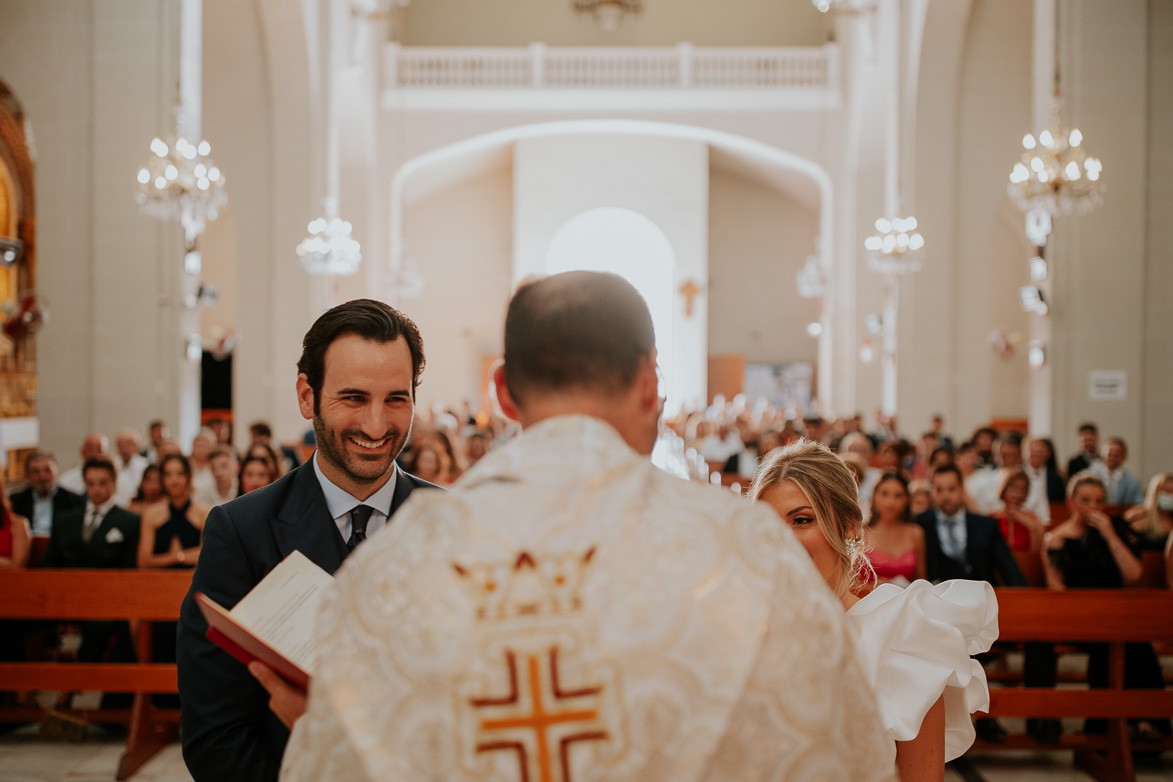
[829, 487]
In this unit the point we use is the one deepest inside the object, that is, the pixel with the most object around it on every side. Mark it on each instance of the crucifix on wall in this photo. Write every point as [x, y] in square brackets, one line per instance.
[690, 290]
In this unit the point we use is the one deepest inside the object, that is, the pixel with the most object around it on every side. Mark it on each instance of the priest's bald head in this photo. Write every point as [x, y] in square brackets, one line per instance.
[582, 343]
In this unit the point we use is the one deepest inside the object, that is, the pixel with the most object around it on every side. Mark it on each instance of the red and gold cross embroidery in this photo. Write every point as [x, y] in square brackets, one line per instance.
[581, 723]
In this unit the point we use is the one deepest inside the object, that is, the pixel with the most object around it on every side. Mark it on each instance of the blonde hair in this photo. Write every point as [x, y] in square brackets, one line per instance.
[829, 487]
[1151, 511]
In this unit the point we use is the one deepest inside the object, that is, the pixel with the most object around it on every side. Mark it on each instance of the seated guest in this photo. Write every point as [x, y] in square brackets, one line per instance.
[95, 446]
[1043, 469]
[1121, 487]
[983, 445]
[1021, 528]
[895, 546]
[255, 472]
[1154, 521]
[150, 490]
[476, 445]
[961, 544]
[130, 464]
[266, 452]
[919, 498]
[171, 538]
[451, 466]
[98, 535]
[1092, 551]
[925, 701]
[44, 500]
[201, 467]
[171, 531]
[16, 538]
[262, 432]
[222, 462]
[1089, 454]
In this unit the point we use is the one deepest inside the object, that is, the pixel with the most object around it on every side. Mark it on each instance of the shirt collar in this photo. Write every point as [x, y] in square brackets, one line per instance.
[959, 516]
[52, 493]
[340, 502]
[103, 509]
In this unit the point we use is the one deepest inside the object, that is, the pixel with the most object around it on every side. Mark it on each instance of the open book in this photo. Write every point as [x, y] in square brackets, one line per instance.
[274, 623]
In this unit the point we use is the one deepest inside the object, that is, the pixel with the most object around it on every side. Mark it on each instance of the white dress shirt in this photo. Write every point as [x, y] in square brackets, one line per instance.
[42, 520]
[341, 503]
[957, 521]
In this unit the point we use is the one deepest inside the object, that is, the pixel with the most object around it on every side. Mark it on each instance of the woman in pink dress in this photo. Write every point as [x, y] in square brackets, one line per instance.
[894, 545]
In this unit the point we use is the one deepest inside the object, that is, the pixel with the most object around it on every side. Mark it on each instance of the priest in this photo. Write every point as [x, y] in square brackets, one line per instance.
[570, 612]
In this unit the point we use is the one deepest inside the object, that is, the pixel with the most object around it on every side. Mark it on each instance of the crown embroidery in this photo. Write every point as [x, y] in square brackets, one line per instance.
[527, 585]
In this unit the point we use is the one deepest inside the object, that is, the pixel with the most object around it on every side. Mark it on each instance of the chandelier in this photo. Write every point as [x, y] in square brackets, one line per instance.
[896, 247]
[608, 14]
[180, 182]
[330, 249]
[811, 280]
[1055, 175]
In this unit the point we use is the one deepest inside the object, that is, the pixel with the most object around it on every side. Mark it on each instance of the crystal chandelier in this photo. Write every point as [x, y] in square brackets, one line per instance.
[330, 249]
[896, 247]
[180, 182]
[811, 280]
[1055, 175]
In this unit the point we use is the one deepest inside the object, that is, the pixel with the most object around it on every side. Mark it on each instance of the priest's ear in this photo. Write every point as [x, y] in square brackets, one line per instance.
[505, 404]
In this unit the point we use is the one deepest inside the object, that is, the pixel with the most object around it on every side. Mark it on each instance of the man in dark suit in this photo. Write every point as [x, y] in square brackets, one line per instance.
[1089, 442]
[99, 534]
[960, 544]
[43, 501]
[360, 365]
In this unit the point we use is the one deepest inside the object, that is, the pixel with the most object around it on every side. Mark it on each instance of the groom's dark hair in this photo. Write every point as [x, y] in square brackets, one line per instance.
[365, 318]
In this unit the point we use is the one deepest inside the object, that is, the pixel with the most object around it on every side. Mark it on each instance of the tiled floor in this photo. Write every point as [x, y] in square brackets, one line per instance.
[27, 757]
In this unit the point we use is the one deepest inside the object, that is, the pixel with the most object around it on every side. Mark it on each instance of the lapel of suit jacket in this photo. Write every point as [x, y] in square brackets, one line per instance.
[97, 541]
[403, 487]
[303, 522]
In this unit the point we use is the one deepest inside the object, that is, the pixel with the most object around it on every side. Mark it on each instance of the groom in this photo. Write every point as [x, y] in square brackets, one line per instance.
[360, 365]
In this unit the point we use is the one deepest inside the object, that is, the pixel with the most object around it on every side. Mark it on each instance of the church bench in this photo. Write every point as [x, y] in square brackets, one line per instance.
[137, 596]
[1111, 616]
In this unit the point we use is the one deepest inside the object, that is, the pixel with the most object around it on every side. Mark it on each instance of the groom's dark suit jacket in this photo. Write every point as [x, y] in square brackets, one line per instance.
[228, 731]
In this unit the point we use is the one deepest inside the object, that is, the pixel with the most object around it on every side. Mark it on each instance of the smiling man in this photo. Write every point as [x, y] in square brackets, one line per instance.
[360, 365]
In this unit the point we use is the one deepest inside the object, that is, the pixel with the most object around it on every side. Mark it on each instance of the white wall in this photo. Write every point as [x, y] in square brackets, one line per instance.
[665, 180]
[462, 239]
[758, 240]
[516, 23]
[96, 80]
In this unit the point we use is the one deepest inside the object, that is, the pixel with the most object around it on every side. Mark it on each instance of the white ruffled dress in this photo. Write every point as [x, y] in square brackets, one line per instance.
[915, 643]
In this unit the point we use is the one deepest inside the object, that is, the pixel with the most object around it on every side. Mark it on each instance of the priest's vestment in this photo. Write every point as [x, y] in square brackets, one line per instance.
[571, 613]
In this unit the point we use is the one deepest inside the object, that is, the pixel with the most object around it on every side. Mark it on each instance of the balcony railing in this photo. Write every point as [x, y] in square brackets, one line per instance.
[422, 76]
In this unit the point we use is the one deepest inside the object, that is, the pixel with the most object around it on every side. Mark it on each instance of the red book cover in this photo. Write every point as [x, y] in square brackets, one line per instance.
[241, 643]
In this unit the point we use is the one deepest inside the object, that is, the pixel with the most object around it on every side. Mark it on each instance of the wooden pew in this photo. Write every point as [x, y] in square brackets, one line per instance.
[1111, 616]
[140, 596]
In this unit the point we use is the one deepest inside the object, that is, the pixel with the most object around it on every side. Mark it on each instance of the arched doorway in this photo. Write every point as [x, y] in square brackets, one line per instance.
[625, 242]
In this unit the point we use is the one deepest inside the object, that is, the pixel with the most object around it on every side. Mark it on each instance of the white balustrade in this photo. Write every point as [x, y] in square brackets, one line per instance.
[550, 67]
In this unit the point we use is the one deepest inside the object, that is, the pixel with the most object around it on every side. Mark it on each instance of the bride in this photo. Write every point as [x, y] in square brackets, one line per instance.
[914, 644]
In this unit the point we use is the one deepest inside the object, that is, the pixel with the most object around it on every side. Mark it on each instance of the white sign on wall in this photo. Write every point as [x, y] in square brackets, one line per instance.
[1107, 385]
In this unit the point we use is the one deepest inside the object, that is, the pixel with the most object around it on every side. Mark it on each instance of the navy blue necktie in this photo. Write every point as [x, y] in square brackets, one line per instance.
[358, 525]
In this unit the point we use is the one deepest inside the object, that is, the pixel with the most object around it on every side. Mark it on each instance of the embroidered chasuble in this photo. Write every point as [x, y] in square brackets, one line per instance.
[570, 613]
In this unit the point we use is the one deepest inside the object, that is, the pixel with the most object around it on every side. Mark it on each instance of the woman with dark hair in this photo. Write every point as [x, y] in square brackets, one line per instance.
[914, 644]
[16, 537]
[171, 530]
[255, 472]
[266, 452]
[895, 546]
[150, 490]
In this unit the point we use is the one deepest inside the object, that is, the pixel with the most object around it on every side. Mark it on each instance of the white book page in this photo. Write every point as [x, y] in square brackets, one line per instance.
[283, 608]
